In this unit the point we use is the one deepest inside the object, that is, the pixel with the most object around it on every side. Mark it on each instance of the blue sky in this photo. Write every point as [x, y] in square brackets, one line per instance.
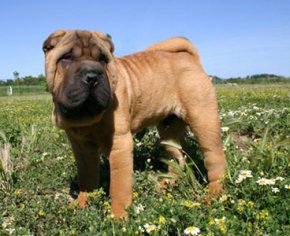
[234, 38]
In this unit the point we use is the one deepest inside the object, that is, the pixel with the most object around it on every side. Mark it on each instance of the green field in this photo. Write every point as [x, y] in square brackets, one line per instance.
[38, 175]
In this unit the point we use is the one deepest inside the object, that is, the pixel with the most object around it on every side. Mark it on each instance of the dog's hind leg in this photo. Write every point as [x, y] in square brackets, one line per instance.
[202, 117]
[171, 131]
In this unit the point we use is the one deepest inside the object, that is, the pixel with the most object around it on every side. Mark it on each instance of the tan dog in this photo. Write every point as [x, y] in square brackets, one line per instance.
[100, 100]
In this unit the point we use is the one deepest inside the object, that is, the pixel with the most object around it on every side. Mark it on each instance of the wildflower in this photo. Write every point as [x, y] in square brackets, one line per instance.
[18, 192]
[275, 190]
[107, 206]
[192, 230]
[271, 181]
[223, 198]
[245, 160]
[149, 228]
[220, 221]
[45, 154]
[162, 220]
[246, 173]
[279, 178]
[139, 208]
[211, 221]
[264, 181]
[41, 213]
[241, 202]
[239, 180]
[190, 204]
[243, 175]
[135, 195]
[223, 228]
[250, 204]
[263, 215]
[10, 231]
[225, 129]
[287, 186]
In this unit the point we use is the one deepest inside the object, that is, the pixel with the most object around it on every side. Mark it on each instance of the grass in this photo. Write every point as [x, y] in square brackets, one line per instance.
[23, 90]
[37, 174]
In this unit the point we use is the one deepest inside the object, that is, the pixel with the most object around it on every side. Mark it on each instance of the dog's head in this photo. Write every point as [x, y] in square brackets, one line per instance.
[81, 75]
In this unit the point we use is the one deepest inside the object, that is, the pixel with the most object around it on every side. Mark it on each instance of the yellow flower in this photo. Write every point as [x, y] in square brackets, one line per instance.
[223, 228]
[241, 202]
[287, 186]
[135, 195]
[41, 213]
[107, 206]
[169, 196]
[263, 215]
[250, 204]
[18, 192]
[211, 221]
[162, 220]
[190, 204]
[196, 204]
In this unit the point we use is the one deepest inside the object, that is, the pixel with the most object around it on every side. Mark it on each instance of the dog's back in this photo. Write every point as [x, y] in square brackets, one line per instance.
[177, 44]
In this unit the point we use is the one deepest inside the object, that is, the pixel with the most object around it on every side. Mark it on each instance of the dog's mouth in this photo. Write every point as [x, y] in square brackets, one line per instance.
[81, 101]
[87, 109]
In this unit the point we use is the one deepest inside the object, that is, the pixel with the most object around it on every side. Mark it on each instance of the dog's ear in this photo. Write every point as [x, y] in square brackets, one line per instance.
[107, 39]
[53, 40]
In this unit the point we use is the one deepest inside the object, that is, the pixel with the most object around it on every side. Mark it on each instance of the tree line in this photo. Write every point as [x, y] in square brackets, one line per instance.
[253, 79]
[26, 80]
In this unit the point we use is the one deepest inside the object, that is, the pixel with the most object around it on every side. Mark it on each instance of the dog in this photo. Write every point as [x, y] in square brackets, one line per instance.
[101, 100]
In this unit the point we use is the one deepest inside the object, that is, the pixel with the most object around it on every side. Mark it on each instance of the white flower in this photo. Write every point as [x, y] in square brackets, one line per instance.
[220, 221]
[10, 231]
[139, 208]
[223, 198]
[243, 175]
[225, 129]
[264, 181]
[246, 173]
[279, 178]
[271, 181]
[192, 230]
[287, 186]
[275, 190]
[149, 228]
[245, 160]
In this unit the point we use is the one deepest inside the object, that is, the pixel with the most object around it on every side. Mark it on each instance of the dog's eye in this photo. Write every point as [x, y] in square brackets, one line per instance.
[67, 57]
[66, 60]
[103, 58]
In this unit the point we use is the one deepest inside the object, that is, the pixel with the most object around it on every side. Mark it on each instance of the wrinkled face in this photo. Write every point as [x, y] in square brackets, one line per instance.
[80, 74]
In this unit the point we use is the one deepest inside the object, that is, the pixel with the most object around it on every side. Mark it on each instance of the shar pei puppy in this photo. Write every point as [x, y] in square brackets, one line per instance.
[101, 100]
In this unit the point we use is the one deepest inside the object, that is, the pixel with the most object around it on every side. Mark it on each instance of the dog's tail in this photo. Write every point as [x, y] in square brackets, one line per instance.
[178, 44]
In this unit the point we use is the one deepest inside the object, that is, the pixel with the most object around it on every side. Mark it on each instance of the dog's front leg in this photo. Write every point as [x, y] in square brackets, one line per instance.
[121, 171]
[88, 166]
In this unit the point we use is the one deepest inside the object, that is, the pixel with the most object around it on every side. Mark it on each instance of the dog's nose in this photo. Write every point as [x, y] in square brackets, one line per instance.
[91, 79]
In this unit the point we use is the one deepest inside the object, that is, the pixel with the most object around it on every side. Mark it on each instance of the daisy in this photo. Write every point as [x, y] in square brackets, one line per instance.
[279, 178]
[246, 173]
[149, 228]
[275, 190]
[262, 181]
[220, 221]
[192, 230]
